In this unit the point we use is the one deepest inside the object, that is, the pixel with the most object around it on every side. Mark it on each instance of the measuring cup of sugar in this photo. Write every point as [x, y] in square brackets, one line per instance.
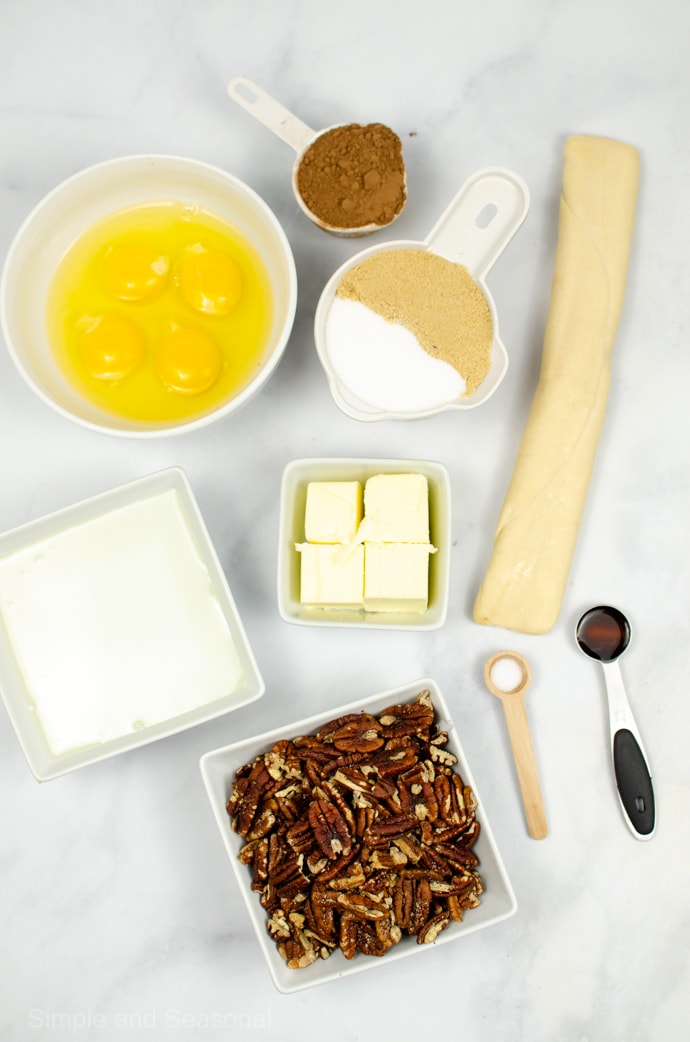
[290, 129]
[377, 369]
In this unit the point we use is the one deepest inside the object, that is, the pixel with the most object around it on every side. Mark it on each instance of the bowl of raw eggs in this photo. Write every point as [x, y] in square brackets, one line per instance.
[148, 295]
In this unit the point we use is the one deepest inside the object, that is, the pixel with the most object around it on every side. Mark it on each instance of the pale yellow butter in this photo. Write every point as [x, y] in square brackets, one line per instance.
[396, 577]
[333, 511]
[396, 509]
[331, 575]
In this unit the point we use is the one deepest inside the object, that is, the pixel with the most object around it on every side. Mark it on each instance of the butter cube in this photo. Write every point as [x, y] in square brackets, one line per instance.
[396, 509]
[333, 511]
[331, 576]
[396, 576]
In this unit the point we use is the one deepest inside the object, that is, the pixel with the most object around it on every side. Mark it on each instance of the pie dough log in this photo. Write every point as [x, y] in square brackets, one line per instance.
[538, 525]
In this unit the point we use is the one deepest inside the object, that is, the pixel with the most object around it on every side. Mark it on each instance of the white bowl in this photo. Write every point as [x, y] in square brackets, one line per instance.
[130, 626]
[296, 477]
[498, 901]
[89, 196]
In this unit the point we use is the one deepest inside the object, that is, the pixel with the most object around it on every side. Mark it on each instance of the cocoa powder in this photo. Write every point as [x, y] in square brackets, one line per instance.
[353, 175]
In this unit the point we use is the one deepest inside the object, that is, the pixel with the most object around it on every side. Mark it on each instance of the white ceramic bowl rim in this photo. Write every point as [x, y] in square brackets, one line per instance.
[122, 163]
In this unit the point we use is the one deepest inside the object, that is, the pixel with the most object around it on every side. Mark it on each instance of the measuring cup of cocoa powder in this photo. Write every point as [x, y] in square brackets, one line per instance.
[349, 179]
[407, 329]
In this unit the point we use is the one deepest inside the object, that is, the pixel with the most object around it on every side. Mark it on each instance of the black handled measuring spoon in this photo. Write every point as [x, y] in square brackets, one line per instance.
[604, 633]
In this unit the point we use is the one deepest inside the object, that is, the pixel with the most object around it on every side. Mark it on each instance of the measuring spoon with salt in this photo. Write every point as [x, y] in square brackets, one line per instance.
[294, 132]
[473, 231]
[603, 633]
[507, 675]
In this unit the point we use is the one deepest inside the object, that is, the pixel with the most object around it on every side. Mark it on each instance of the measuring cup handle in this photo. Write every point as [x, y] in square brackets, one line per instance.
[525, 765]
[481, 220]
[271, 113]
[634, 783]
[633, 777]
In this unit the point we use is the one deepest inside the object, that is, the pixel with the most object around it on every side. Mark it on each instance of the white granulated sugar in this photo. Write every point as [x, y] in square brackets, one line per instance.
[383, 364]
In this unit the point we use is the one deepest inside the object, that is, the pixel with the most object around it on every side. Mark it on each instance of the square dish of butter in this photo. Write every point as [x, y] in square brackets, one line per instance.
[364, 542]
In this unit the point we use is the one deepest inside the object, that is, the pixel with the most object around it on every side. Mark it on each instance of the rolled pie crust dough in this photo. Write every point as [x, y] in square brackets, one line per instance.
[538, 525]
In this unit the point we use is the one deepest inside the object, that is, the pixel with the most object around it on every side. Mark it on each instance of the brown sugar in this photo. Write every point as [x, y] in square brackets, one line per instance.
[437, 300]
[353, 176]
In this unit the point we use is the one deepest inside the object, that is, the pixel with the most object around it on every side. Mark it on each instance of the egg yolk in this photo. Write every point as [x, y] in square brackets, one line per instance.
[112, 347]
[133, 272]
[188, 361]
[209, 281]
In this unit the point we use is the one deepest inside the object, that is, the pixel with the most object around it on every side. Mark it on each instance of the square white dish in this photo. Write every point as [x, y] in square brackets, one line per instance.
[38, 699]
[218, 768]
[293, 494]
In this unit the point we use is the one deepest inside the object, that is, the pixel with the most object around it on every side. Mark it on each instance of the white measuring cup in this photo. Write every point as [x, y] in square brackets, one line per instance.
[290, 129]
[473, 231]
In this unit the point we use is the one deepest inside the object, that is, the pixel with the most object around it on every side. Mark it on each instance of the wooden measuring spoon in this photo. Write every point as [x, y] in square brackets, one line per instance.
[507, 675]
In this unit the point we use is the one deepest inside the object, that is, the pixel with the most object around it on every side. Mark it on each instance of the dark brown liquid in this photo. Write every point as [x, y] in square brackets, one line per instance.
[603, 633]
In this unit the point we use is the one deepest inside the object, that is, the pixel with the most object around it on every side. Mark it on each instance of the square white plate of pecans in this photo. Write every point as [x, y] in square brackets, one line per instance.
[357, 837]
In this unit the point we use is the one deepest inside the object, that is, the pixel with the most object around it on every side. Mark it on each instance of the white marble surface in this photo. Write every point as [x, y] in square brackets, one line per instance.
[119, 915]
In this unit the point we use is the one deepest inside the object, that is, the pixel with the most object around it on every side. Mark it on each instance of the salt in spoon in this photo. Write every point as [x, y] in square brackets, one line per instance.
[507, 675]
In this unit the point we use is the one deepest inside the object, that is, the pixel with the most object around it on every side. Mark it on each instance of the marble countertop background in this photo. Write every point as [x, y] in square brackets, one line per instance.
[119, 915]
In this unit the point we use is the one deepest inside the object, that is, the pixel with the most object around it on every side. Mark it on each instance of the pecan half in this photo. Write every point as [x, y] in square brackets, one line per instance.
[347, 936]
[362, 906]
[259, 785]
[421, 905]
[382, 831]
[417, 794]
[413, 718]
[432, 928]
[352, 877]
[388, 932]
[388, 859]
[300, 835]
[362, 734]
[403, 902]
[369, 942]
[320, 911]
[330, 829]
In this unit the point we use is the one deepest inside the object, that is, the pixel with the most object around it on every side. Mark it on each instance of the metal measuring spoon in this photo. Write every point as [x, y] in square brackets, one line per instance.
[507, 675]
[604, 633]
[290, 129]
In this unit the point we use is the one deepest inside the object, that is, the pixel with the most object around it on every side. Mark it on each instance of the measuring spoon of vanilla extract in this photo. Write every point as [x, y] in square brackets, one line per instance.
[604, 633]
[507, 675]
[290, 129]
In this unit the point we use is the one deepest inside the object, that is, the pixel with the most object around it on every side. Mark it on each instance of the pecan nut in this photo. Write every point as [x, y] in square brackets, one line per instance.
[330, 829]
[361, 734]
[362, 906]
[432, 928]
